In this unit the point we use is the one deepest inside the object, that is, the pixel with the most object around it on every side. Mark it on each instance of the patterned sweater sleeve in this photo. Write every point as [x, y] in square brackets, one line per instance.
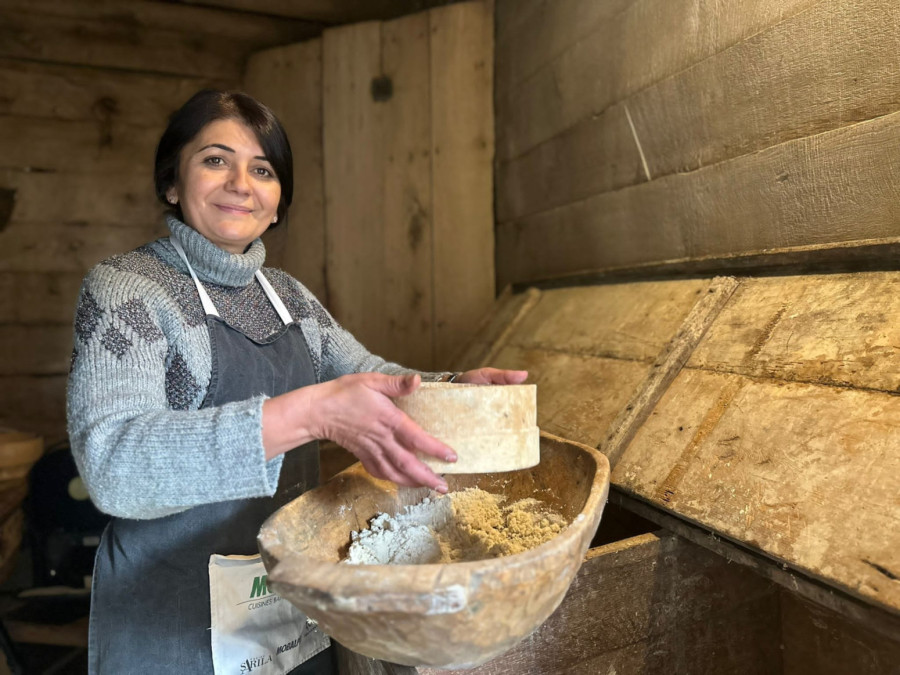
[139, 457]
[335, 352]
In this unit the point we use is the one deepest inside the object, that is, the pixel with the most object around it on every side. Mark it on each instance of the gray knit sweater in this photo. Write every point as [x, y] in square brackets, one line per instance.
[141, 368]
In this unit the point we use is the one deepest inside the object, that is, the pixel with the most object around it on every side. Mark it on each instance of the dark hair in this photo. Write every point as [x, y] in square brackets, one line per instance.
[209, 105]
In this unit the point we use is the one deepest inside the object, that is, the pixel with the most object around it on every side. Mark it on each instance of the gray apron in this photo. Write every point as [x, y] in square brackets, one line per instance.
[150, 599]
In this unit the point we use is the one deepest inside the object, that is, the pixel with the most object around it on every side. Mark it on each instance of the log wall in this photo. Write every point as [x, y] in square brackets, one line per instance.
[639, 132]
[85, 90]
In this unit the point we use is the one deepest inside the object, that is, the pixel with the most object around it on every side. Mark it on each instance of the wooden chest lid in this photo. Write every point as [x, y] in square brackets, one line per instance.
[764, 410]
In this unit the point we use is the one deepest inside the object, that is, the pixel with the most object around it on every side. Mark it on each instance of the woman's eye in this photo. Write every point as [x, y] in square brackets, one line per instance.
[264, 172]
[214, 161]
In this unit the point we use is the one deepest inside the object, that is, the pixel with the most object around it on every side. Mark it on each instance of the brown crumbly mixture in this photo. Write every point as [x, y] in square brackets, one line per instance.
[483, 527]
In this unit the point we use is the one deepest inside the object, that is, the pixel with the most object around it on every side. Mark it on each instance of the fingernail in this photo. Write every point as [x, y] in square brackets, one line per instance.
[442, 488]
[450, 457]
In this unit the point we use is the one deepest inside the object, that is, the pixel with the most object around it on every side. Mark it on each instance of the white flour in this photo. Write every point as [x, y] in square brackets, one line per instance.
[409, 538]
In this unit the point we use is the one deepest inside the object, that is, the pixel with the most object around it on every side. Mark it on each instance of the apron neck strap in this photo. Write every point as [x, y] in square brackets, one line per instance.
[210, 309]
[274, 299]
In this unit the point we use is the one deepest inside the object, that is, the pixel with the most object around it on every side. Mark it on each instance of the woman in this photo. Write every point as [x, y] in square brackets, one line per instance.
[199, 385]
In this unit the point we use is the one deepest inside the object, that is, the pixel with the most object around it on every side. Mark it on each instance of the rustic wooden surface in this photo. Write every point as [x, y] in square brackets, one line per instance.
[581, 75]
[820, 641]
[298, 245]
[825, 329]
[329, 11]
[834, 187]
[578, 396]
[408, 181]
[478, 609]
[875, 619]
[354, 201]
[666, 367]
[647, 604]
[549, 27]
[783, 83]
[140, 35]
[806, 471]
[378, 187]
[621, 135]
[633, 321]
[407, 304]
[495, 327]
[462, 56]
[588, 348]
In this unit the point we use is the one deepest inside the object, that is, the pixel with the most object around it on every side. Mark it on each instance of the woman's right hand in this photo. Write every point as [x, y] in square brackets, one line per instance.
[356, 412]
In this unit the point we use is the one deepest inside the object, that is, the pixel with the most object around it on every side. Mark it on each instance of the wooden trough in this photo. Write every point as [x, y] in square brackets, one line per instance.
[454, 615]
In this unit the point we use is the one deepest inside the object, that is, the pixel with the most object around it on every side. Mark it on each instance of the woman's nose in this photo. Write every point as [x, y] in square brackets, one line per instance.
[237, 181]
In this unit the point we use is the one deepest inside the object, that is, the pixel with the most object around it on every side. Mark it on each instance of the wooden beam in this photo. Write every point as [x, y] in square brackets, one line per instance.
[71, 248]
[835, 187]
[855, 256]
[38, 297]
[666, 367]
[408, 244]
[325, 11]
[644, 44]
[462, 55]
[354, 191]
[779, 85]
[75, 195]
[142, 36]
[549, 28]
[100, 96]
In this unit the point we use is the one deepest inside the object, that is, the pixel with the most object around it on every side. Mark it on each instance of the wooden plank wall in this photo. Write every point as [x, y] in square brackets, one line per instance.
[644, 131]
[85, 90]
[401, 248]
[408, 180]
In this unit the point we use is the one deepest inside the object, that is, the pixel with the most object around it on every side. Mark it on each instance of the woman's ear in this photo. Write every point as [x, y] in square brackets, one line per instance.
[171, 196]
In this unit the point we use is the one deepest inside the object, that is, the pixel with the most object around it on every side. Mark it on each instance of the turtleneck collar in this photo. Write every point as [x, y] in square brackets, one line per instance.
[211, 263]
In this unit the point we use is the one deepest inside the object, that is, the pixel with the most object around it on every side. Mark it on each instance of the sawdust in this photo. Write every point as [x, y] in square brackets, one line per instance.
[462, 526]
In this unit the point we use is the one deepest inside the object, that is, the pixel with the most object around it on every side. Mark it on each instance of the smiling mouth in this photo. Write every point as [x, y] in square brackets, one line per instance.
[239, 210]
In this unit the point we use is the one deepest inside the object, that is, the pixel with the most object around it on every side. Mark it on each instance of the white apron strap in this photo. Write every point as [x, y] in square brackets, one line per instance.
[274, 299]
[208, 307]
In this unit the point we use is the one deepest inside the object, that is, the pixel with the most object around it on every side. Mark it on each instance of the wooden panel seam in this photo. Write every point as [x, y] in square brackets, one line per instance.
[667, 366]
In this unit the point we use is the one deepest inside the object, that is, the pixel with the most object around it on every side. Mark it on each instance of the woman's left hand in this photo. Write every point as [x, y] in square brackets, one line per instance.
[492, 376]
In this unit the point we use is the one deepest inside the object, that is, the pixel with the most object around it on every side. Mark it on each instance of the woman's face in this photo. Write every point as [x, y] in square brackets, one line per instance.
[227, 189]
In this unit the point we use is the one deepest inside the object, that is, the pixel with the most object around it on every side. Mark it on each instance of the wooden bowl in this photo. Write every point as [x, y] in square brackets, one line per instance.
[454, 615]
[491, 428]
